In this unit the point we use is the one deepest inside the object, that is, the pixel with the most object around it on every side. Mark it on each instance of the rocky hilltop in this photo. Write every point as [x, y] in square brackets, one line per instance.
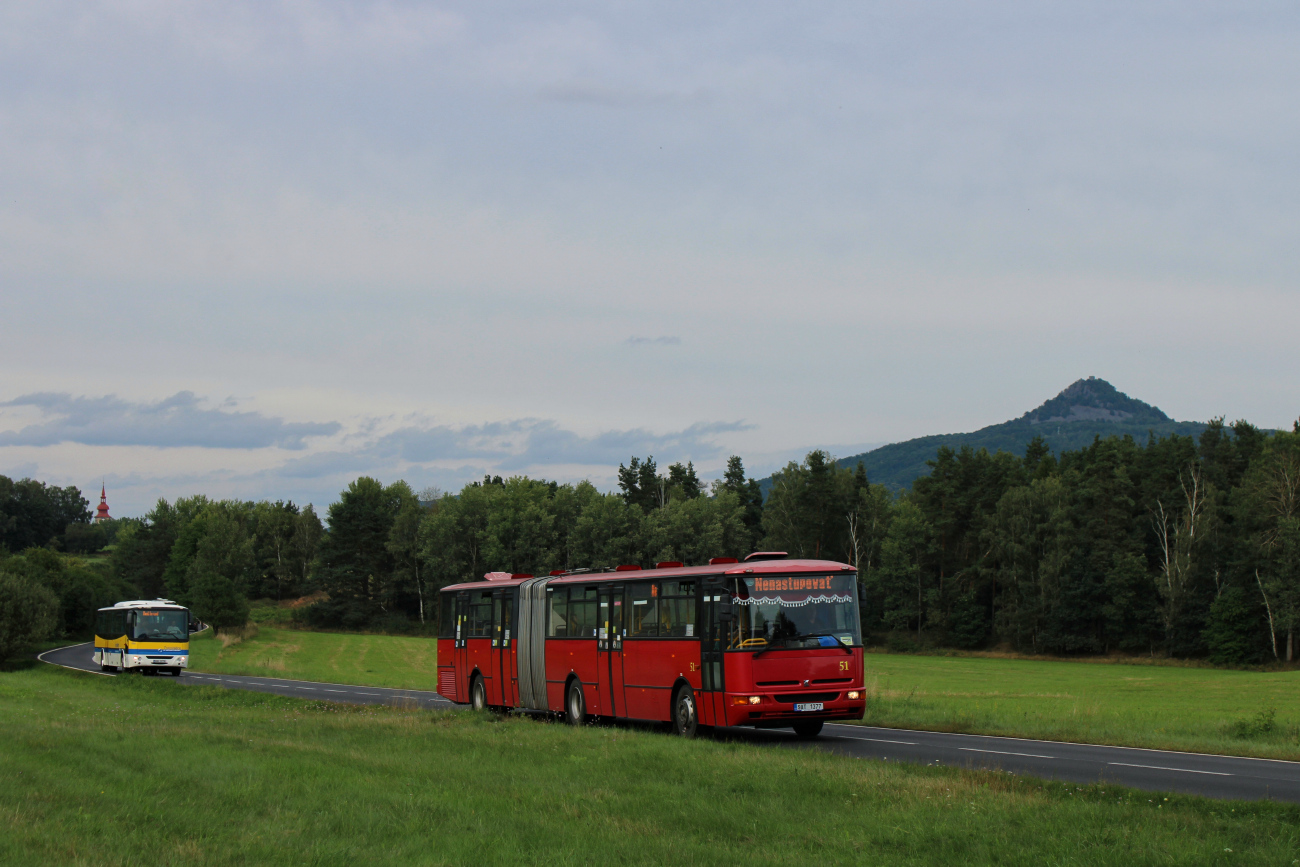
[1086, 409]
[1093, 400]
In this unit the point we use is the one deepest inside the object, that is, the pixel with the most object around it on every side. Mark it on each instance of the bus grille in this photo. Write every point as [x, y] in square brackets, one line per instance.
[806, 696]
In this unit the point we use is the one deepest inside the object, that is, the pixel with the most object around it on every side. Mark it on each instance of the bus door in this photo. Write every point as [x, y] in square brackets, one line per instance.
[505, 692]
[714, 623]
[462, 653]
[609, 649]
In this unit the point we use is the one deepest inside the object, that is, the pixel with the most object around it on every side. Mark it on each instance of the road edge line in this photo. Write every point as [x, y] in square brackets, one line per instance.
[1079, 744]
[40, 657]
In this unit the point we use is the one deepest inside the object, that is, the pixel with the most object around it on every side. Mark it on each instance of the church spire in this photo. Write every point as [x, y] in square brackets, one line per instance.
[101, 511]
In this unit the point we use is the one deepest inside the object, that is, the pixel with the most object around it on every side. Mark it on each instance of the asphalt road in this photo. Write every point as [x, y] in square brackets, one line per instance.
[1153, 770]
[78, 656]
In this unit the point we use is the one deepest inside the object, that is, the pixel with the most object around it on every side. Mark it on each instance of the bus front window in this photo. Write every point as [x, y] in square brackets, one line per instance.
[796, 611]
[161, 626]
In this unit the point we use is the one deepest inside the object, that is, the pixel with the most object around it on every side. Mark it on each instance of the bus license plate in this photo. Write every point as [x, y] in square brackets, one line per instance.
[812, 705]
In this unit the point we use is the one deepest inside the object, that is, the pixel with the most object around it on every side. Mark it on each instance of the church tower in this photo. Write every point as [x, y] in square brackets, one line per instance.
[101, 511]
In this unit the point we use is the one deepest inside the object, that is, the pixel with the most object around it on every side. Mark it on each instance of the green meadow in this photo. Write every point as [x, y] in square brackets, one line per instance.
[1162, 706]
[1167, 707]
[368, 660]
[130, 771]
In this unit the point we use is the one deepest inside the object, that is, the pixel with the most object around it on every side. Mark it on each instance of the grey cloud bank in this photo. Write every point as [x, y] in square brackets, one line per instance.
[445, 455]
[654, 341]
[173, 422]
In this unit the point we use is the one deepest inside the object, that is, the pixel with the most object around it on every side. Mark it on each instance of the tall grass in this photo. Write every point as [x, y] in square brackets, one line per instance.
[369, 660]
[128, 771]
[1195, 709]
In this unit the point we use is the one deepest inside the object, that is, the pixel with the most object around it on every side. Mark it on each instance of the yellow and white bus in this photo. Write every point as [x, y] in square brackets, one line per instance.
[150, 635]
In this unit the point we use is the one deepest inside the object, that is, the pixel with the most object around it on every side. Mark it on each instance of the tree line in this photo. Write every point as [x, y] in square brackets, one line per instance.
[1176, 546]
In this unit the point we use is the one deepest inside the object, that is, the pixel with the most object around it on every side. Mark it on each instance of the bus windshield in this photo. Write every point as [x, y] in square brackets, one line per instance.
[171, 625]
[796, 611]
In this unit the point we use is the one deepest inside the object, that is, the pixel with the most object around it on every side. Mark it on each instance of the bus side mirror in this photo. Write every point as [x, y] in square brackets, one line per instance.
[725, 610]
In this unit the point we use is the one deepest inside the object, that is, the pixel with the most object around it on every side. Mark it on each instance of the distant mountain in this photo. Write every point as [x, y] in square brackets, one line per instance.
[1088, 408]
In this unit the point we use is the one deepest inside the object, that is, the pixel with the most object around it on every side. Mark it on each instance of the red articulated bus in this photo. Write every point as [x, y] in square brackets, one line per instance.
[770, 642]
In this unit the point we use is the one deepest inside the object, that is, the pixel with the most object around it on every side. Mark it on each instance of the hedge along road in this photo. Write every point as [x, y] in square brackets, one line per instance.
[1153, 770]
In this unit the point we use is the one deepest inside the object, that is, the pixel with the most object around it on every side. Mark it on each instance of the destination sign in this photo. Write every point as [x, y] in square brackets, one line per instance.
[784, 585]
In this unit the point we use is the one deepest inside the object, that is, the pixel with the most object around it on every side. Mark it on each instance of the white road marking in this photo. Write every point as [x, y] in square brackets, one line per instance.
[1082, 744]
[370, 693]
[336, 690]
[878, 740]
[1005, 753]
[312, 688]
[1158, 768]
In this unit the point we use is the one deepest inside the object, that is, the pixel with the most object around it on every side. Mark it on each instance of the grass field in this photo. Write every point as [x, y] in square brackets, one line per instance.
[1196, 709]
[368, 660]
[131, 771]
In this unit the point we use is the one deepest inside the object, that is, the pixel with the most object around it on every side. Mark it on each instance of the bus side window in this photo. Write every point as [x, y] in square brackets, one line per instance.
[558, 625]
[574, 621]
[583, 613]
[677, 609]
[643, 600]
[447, 606]
[480, 614]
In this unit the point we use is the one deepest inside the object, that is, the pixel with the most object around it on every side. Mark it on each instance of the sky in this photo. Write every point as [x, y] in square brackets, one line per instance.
[257, 249]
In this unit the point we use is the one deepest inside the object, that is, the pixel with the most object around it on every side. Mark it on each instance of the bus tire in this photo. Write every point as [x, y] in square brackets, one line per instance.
[478, 694]
[808, 728]
[686, 713]
[106, 667]
[575, 704]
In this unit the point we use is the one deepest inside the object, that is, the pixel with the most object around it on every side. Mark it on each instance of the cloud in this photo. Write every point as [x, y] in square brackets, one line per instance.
[26, 470]
[176, 421]
[442, 455]
[654, 341]
[519, 444]
[612, 97]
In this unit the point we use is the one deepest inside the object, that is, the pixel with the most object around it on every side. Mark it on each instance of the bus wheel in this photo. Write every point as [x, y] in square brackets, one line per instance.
[809, 729]
[478, 694]
[575, 705]
[112, 668]
[686, 718]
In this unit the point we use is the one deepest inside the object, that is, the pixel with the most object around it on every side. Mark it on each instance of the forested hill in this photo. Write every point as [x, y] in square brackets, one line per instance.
[1089, 408]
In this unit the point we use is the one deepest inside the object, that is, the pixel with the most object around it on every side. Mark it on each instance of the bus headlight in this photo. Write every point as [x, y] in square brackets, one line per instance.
[741, 699]
[853, 695]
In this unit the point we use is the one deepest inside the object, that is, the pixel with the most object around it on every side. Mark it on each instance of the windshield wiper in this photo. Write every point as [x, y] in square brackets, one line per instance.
[841, 645]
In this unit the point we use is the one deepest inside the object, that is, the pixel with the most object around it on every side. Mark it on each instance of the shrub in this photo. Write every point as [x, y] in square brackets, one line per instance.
[28, 614]
[1234, 632]
[216, 600]
[1262, 723]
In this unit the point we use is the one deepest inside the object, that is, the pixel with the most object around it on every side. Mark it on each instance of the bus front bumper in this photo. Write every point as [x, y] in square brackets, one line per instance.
[777, 710]
[147, 660]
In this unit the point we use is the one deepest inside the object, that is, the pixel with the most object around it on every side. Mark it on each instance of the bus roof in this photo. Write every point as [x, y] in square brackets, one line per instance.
[146, 603]
[761, 567]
